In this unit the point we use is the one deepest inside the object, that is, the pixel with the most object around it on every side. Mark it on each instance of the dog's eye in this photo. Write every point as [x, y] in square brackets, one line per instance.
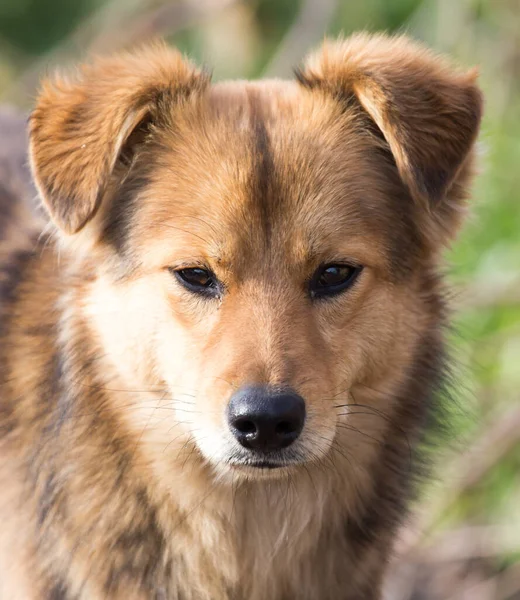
[198, 280]
[330, 280]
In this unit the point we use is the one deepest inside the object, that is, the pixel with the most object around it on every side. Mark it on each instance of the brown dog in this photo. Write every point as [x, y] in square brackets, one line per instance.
[217, 359]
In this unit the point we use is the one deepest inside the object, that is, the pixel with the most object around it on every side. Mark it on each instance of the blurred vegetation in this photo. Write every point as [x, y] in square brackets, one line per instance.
[477, 503]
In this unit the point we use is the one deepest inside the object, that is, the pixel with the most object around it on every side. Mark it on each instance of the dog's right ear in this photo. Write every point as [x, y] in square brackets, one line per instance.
[82, 126]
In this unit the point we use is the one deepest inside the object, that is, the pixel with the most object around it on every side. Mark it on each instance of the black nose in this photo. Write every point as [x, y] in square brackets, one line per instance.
[263, 418]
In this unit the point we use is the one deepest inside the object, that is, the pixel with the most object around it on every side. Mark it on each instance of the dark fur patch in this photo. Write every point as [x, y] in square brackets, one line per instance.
[59, 592]
[11, 275]
[123, 208]
[402, 462]
[6, 208]
[263, 188]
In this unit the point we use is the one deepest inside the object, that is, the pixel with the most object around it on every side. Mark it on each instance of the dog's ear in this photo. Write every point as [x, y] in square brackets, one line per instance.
[428, 112]
[83, 125]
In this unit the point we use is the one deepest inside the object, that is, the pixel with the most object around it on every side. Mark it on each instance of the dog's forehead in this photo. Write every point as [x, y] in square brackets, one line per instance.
[265, 166]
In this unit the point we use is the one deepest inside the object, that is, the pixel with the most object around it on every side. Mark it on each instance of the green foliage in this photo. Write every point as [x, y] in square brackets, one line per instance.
[33, 26]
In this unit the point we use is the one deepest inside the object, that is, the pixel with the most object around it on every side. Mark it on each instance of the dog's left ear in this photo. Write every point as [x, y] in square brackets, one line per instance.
[428, 112]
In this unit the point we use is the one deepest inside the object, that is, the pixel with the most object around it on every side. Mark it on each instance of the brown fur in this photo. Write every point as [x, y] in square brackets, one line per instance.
[115, 471]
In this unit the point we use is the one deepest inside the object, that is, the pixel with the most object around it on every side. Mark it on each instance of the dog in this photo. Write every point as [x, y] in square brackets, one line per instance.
[224, 348]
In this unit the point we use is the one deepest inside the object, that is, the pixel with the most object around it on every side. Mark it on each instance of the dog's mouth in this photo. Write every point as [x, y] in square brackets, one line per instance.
[279, 461]
[258, 464]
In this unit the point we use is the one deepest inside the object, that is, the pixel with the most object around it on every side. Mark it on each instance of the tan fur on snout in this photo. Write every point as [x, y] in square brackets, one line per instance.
[121, 469]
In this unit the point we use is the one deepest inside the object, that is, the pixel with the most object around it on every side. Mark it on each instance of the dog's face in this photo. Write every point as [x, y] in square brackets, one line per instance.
[260, 253]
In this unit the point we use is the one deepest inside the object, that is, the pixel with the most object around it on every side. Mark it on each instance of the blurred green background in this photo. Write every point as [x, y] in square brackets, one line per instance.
[465, 542]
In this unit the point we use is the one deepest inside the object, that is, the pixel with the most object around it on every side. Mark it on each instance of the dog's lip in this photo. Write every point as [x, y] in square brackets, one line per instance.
[258, 464]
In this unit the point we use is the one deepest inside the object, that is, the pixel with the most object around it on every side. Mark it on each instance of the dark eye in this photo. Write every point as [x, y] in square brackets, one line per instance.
[330, 280]
[198, 280]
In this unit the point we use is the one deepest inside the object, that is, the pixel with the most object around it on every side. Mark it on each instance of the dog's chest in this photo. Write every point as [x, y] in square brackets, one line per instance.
[274, 544]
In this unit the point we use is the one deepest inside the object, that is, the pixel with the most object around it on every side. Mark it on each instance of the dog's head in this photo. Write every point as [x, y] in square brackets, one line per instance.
[260, 252]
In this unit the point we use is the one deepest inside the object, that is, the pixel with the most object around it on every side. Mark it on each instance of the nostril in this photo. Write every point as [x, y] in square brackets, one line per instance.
[245, 426]
[286, 428]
